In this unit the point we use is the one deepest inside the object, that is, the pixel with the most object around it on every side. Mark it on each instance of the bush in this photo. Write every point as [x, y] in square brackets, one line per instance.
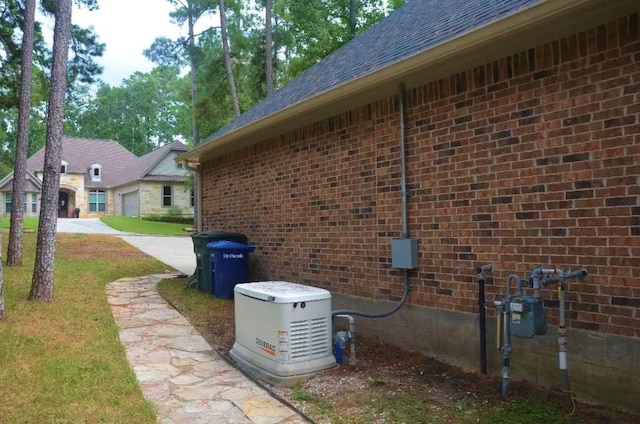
[180, 219]
[175, 211]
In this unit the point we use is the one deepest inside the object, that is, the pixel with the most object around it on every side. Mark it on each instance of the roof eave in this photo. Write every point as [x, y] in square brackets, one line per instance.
[452, 51]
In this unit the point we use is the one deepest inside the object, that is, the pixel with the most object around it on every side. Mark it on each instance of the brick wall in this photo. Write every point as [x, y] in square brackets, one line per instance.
[531, 159]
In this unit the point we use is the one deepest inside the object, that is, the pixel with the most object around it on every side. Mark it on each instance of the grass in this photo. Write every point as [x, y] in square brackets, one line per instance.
[140, 226]
[63, 362]
[29, 222]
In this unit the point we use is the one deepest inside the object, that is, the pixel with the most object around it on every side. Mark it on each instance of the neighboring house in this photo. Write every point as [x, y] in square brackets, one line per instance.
[100, 177]
[522, 132]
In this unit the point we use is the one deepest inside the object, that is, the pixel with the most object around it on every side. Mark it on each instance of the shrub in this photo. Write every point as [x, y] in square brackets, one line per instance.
[179, 219]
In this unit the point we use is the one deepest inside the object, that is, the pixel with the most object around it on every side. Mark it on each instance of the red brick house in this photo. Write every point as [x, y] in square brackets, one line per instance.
[521, 121]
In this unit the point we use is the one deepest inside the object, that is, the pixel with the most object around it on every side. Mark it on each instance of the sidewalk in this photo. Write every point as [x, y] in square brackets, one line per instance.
[178, 370]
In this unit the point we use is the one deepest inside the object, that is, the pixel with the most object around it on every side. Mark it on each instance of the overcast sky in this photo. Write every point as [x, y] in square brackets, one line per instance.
[128, 27]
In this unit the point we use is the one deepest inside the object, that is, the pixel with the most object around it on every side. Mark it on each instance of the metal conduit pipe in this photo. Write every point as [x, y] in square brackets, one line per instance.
[505, 309]
[483, 316]
[405, 229]
[562, 329]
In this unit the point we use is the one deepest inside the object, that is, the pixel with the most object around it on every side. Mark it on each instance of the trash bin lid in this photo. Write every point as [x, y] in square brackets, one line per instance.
[220, 235]
[229, 245]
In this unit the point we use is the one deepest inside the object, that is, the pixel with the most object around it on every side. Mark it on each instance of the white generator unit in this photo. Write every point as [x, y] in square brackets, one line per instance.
[283, 330]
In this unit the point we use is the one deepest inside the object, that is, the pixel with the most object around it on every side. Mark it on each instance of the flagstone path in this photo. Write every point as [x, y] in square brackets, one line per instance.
[178, 370]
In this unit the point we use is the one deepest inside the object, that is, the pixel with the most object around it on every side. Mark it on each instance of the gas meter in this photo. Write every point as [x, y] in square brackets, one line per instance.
[528, 317]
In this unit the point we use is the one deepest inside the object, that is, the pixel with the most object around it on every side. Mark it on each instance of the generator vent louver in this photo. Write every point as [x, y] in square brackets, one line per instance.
[308, 338]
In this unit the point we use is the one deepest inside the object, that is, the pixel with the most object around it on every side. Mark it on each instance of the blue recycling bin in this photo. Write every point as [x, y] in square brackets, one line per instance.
[228, 266]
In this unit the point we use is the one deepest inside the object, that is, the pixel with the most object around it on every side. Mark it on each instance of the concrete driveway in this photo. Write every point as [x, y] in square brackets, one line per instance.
[177, 252]
[84, 225]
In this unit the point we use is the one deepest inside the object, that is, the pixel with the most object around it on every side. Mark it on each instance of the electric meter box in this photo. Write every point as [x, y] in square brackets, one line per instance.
[528, 317]
[283, 330]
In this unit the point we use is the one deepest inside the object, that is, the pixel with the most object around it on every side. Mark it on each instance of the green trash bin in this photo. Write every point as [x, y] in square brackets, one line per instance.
[203, 264]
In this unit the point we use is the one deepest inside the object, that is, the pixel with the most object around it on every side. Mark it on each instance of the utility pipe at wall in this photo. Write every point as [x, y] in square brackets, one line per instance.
[352, 337]
[505, 309]
[562, 329]
[405, 226]
[197, 194]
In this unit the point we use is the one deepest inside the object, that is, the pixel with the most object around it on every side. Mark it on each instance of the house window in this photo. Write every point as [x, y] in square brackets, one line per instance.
[97, 201]
[193, 198]
[167, 198]
[179, 165]
[63, 167]
[96, 172]
[34, 203]
[8, 203]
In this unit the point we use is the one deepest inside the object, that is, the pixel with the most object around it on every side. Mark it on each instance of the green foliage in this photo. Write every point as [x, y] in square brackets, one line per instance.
[82, 67]
[144, 112]
[316, 28]
[84, 46]
[156, 107]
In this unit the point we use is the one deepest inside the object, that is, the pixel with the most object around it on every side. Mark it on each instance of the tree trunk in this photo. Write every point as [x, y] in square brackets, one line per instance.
[3, 312]
[14, 253]
[268, 46]
[353, 6]
[42, 283]
[193, 73]
[227, 58]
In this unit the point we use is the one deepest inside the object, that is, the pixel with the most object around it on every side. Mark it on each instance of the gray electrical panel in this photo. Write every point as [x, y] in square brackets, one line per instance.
[404, 253]
[528, 317]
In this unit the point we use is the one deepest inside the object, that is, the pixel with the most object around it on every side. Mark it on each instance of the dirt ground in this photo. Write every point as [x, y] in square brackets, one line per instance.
[383, 371]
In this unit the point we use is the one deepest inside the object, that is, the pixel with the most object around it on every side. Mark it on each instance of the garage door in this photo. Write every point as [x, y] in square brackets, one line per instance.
[131, 204]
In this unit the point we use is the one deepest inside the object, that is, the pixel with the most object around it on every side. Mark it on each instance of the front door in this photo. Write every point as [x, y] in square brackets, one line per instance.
[63, 204]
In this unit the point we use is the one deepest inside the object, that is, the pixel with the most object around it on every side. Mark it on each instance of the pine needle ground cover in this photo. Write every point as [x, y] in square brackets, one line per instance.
[63, 362]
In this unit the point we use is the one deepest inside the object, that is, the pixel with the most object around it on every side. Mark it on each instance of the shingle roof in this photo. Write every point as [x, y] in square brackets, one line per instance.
[119, 166]
[81, 153]
[416, 27]
[144, 164]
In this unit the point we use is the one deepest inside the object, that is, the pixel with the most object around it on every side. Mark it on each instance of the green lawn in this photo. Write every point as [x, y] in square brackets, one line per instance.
[63, 362]
[29, 223]
[140, 226]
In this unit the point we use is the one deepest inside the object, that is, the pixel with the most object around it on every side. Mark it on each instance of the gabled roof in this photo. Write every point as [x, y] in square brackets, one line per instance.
[81, 153]
[6, 184]
[147, 162]
[119, 166]
[421, 40]
[143, 165]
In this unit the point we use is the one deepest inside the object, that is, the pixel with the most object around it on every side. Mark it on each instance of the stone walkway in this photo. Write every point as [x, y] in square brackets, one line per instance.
[178, 370]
